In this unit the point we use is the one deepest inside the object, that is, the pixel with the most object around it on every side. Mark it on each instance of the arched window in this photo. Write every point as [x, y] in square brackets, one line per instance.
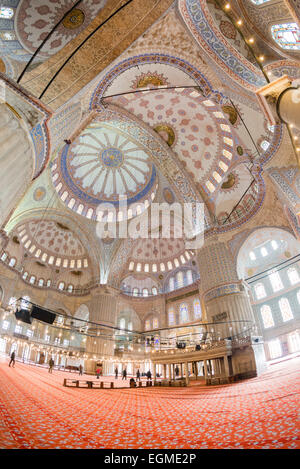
[32, 279]
[129, 326]
[6, 13]
[197, 309]
[41, 282]
[267, 316]
[171, 317]
[12, 262]
[189, 277]
[135, 291]
[145, 292]
[276, 281]
[259, 2]
[275, 348]
[274, 244]
[285, 309]
[286, 35]
[171, 284]
[294, 342]
[265, 145]
[154, 291]
[122, 323]
[252, 256]
[293, 275]
[155, 323]
[260, 291]
[298, 296]
[264, 252]
[183, 312]
[70, 288]
[147, 325]
[61, 285]
[179, 279]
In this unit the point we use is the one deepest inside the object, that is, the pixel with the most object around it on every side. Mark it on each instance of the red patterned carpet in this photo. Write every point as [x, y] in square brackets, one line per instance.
[38, 412]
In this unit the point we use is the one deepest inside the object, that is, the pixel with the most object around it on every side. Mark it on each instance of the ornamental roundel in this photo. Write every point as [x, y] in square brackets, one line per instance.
[74, 19]
[39, 194]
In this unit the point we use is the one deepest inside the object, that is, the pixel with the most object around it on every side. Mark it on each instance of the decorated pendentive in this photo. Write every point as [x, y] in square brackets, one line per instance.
[105, 175]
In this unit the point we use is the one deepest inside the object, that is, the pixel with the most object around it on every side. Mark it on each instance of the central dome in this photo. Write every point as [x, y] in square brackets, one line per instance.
[104, 165]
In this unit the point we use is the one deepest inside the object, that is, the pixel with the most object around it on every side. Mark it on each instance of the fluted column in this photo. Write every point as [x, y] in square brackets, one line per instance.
[16, 161]
[224, 296]
[103, 310]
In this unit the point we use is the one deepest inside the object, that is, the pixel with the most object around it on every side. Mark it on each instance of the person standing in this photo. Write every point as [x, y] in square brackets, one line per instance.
[51, 365]
[12, 359]
[116, 372]
[80, 369]
[98, 372]
[177, 371]
[149, 375]
[124, 374]
[138, 375]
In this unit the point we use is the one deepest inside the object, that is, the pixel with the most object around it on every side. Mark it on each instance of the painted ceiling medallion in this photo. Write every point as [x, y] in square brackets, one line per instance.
[74, 19]
[229, 183]
[150, 78]
[231, 112]
[104, 165]
[166, 132]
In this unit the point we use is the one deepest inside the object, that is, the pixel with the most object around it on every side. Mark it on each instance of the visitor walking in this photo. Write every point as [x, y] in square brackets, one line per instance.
[138, 375]
[177, 371]
[80, 369]
[124, 374]
[149, 375]
[12, 359]
[51, 365]
[98, 372]
[116, 372]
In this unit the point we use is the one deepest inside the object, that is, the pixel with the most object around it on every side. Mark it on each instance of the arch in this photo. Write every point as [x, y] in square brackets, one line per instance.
[288, 246]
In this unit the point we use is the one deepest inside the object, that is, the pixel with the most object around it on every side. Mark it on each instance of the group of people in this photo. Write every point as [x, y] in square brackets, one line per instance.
[138, 375]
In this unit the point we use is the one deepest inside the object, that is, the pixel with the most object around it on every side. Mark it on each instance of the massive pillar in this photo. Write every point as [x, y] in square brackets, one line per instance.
[100, 343]
[24, 145]
[16, 161]
[227, 305]
[224, 296]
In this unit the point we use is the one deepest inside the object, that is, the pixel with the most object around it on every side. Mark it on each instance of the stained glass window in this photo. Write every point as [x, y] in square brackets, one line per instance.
[276, 281]
[147, 325]
[260, 291]
[7, 35]
[184, 315]
[294, 342]
[286, 35]
[189, 277]
[171, 317]
[285, 309]
[6, 13]
[259, 2]
[179, 279]
[171, 284]
[267, 317]
[197, 309]
[155, 323]
[293, 275]
[275, 348]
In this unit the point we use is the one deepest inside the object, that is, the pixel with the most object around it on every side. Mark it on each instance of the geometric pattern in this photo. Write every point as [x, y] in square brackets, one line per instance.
[37, 412]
